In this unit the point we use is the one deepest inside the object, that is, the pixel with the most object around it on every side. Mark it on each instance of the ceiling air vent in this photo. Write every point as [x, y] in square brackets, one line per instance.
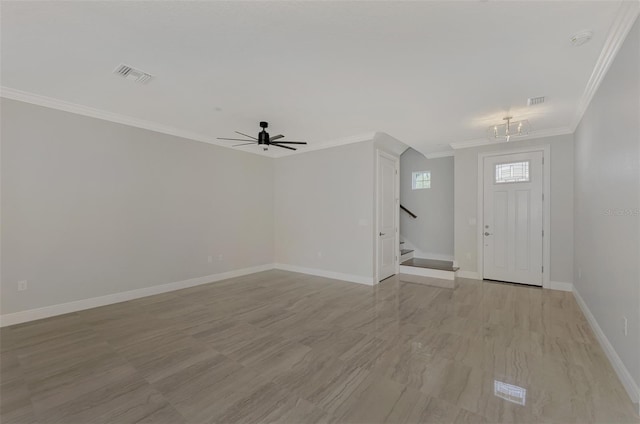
[532, 101]
[133, 74]
[581, 38]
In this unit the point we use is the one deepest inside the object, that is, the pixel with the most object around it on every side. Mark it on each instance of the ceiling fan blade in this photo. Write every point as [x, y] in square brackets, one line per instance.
[233, 139]
[276, 137]
[292, 142]
[246, 135]
[244, 144]
[284, 147]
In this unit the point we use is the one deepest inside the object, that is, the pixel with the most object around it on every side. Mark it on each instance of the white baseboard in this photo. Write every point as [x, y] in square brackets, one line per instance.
[560, 285]
[94, 302]
[428, 272]
[328, 274]
[473, 275]
[623, 373]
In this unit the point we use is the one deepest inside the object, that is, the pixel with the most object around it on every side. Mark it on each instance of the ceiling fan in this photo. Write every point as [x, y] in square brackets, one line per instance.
[263, 139]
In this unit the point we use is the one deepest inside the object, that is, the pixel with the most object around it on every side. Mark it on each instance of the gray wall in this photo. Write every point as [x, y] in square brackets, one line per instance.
[431, 234]
[91, 208]
[466, 198]
[324, 209]
[607, 204]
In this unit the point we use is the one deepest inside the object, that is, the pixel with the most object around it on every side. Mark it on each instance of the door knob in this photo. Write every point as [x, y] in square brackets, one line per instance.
[381, 234]
[487, 233]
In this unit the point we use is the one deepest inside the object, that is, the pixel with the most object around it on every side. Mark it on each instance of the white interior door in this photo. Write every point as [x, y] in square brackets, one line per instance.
[513, 214]
[387, 244]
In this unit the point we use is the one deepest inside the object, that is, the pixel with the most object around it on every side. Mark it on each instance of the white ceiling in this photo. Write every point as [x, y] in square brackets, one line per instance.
[427, 73]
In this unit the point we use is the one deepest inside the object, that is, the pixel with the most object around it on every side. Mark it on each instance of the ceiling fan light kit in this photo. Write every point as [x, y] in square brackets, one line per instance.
[510, 129]
[263, 140]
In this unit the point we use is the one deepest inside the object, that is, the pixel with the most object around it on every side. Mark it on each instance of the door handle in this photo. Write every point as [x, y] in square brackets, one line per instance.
[487, 233]
[381, 234]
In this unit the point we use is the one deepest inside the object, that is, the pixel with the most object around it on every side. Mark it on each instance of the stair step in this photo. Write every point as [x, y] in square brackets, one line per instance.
[443, 281]
[430, 264]
[401, 242]
[405, 251]
[420, 270]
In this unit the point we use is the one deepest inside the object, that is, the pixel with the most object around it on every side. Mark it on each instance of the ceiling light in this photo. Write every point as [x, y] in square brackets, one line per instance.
[509, 129]
[580, 38]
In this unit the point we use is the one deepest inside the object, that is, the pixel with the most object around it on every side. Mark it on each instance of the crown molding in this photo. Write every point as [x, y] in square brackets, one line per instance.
[436, 155]
[369, 136]
[389, 144]
[622, 24]
[52, 103]
[551, 132]
[625, 18]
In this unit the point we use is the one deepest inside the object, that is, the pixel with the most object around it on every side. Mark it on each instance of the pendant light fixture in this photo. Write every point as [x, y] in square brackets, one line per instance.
[509, 129]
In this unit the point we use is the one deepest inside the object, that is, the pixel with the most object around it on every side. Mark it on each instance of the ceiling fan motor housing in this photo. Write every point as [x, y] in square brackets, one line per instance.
[263, 137]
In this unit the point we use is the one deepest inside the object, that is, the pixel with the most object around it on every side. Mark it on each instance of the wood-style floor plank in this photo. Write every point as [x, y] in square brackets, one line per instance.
[283, 347]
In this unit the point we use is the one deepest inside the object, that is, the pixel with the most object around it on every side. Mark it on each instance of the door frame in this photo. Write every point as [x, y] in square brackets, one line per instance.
[546, 206]
[396, 209]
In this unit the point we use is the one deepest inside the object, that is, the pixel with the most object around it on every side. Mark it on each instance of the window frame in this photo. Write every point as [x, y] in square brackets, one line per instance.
[495, 172]
[423, 180]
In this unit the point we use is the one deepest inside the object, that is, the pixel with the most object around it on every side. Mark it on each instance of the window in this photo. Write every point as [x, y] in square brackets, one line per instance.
[421, 180]
[514, 172]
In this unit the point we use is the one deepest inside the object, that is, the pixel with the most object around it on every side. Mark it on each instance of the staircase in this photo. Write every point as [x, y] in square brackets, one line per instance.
[425, 271]
[405, 254]
[428, 271]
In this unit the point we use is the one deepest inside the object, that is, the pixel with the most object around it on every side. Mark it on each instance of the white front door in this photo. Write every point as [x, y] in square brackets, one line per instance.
[387, 244]
[512, 228]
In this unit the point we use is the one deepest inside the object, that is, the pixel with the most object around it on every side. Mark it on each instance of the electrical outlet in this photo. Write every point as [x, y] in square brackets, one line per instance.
[22, 285]
[210, 259]
[625, 326]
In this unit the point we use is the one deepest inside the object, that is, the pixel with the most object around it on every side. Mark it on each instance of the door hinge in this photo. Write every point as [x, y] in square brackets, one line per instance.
[542, 233]
[543, 160]
[543, 197]
[396, 172]
[543, 269]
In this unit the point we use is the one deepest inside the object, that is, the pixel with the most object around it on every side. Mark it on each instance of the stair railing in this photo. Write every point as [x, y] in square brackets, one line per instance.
[413, 215]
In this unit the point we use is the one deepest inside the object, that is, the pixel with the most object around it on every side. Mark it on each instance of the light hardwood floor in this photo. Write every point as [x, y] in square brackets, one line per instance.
[292, 348]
